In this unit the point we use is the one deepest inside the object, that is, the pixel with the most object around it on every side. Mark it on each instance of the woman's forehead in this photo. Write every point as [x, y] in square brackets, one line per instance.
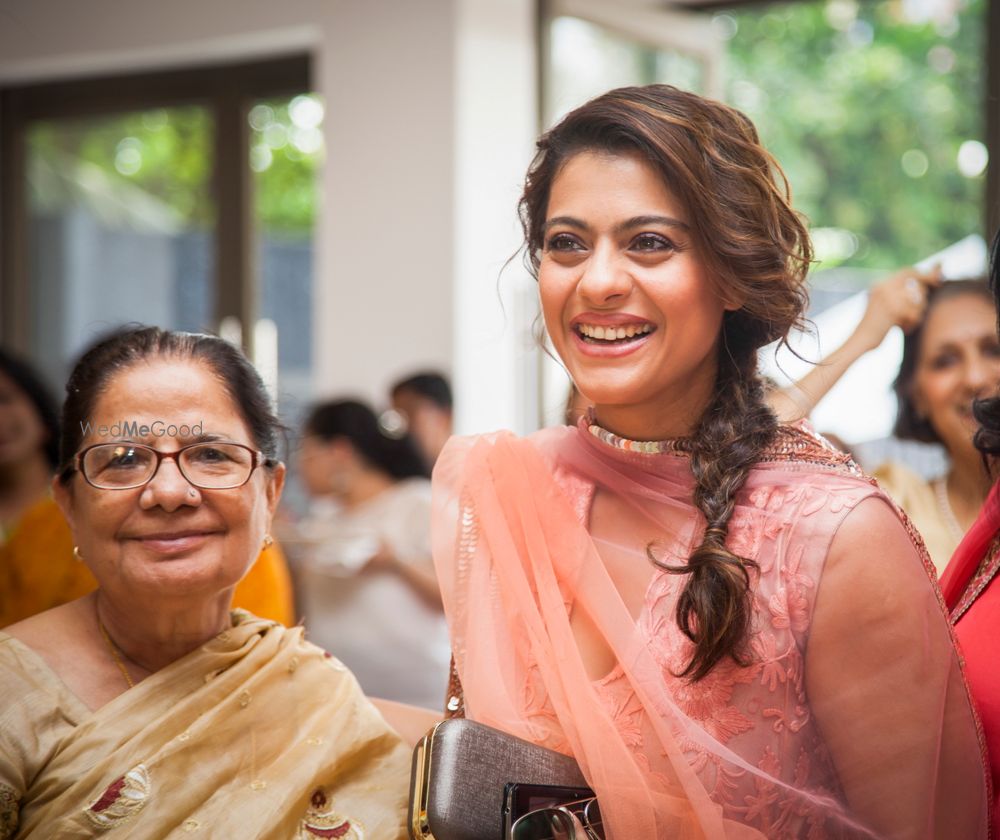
[170, 390]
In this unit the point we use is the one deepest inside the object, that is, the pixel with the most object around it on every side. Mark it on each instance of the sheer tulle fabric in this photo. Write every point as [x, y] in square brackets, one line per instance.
[528, 534]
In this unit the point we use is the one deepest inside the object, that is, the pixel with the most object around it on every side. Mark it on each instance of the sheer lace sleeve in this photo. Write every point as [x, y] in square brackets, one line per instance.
[886, 687]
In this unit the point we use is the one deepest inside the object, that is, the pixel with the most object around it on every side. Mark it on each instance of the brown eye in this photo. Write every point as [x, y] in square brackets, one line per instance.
[651, 242]
[563, 242]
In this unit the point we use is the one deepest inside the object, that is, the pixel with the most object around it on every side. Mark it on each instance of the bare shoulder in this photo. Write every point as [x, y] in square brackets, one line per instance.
[878, 548]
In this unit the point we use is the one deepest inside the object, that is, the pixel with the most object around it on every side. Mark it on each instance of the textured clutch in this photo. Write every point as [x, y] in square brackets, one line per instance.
[460, 770]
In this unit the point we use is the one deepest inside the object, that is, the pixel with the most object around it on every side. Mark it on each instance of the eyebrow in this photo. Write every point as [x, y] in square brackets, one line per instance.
[627, 225]
[208, 437]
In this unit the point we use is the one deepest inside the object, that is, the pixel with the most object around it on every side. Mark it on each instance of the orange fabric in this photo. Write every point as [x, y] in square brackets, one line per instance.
[38, 572]
[266, 590]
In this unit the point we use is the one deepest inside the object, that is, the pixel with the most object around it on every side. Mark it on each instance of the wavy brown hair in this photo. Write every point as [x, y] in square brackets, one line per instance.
[757, 249]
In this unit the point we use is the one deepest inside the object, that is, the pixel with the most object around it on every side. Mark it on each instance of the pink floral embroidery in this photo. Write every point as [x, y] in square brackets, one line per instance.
[708, 701]
[625, 709]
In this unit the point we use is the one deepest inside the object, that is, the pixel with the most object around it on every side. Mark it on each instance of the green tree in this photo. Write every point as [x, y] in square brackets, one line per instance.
[867, 112]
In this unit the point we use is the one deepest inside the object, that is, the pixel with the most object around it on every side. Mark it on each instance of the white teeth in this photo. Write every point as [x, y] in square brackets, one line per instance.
[600, 333]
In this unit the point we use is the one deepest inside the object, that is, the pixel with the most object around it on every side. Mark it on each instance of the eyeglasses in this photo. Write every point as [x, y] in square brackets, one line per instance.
[580, 820]
[210, 466]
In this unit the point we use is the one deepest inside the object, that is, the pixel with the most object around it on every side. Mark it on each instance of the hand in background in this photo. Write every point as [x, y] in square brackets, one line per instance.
[898, 301]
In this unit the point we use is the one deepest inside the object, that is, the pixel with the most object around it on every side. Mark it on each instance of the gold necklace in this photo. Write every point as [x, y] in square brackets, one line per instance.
[115, 655]
[646, 447]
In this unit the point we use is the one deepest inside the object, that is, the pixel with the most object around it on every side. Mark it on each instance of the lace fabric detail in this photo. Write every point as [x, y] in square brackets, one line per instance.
[800, 442]
[761, 712]
[746, 735]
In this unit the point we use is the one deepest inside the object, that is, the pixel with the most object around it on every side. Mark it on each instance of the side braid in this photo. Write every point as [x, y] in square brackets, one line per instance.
[715, 607]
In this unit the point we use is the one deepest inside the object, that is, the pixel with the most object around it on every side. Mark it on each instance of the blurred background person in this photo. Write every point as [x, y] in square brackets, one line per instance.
[951, 357]
[424, 400]
[37, 568]
[949, 361]
[364, 571]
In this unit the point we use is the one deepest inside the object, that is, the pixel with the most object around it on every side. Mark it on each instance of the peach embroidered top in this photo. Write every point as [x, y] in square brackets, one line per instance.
[853, 718]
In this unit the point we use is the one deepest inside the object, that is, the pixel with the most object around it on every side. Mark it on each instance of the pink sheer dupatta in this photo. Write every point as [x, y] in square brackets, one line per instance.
[529, 533]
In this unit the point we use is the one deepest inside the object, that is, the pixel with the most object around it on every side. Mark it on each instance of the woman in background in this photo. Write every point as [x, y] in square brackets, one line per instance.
[951, 357]
[949, 361]
[366, 581]
[37, 567]
[720, 618]
[970, 582]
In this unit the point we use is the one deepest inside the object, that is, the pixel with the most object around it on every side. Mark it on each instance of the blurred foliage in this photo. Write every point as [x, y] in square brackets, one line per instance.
[168, 153]
[165, 153]
[840, 91]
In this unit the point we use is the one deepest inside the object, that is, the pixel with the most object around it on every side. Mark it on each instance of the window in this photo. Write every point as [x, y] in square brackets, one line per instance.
[149, 199]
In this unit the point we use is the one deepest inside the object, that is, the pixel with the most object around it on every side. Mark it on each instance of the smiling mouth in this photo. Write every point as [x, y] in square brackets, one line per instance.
[628, 334]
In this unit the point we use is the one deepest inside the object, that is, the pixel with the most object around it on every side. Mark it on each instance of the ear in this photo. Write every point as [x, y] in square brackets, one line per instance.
[275, 484]
[732, 300]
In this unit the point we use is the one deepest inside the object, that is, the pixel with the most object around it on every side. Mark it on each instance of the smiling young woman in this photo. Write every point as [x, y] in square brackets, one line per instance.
[730, 628]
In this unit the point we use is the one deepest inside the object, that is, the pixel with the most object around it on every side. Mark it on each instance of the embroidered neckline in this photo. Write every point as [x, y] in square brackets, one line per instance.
[979, 581]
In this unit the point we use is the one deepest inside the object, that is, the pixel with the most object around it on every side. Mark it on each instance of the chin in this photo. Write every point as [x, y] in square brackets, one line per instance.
[192, 574]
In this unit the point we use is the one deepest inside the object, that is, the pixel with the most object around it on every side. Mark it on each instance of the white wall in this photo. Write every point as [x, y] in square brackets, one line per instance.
[496, 361]
[430, 114]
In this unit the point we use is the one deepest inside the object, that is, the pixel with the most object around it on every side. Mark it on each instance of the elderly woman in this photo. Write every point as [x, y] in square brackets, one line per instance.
[37, 567]
[147, 700]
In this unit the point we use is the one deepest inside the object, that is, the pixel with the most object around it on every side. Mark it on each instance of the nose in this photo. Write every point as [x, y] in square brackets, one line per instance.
[981, 375]
[606, 277]
[168, 488]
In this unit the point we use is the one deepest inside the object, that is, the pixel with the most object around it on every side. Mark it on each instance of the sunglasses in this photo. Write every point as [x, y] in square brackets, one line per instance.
[580, 820]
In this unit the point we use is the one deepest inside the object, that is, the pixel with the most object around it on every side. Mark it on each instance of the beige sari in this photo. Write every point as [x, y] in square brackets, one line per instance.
[256, 734]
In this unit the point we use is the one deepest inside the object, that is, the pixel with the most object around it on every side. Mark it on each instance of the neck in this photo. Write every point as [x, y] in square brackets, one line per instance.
[150, 638]
[672, 413]
[22, 482]
[366, 485]
[644, 423]
[968, 485]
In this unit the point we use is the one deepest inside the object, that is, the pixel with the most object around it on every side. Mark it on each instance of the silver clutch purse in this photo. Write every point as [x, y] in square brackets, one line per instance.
[460, 770]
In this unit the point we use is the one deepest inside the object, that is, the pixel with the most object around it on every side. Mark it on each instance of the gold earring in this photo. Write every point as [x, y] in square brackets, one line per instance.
[77, 554]
[268, 540]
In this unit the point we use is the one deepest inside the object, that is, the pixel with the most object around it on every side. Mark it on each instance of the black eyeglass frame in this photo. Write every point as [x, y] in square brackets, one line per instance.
[259, 459]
